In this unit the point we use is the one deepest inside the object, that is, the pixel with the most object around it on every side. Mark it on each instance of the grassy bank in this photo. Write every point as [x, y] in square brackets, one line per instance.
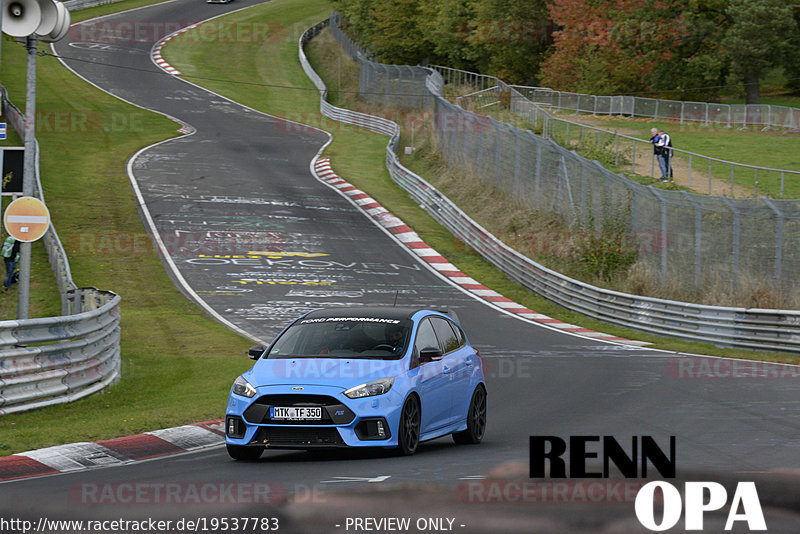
[177, 363]
[356, 155]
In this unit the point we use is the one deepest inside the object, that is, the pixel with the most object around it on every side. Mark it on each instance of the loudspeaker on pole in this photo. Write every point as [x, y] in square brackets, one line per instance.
[61, 26]
[21, 17]
[48, 19]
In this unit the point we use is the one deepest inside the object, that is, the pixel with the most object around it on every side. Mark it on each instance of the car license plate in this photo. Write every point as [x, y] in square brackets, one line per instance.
[295, 413]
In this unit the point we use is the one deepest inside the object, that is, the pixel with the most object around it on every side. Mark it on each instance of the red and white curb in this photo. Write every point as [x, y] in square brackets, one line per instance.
[112, 452]
[412, 241]
[155, 53]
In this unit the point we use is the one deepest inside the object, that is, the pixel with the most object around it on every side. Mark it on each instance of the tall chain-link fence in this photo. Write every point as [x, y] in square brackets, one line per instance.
[706, 113]
[687, 240]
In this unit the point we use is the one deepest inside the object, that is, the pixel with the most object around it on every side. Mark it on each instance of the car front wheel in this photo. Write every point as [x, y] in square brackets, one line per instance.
[408, 430]
[247, 454]
[476, 419]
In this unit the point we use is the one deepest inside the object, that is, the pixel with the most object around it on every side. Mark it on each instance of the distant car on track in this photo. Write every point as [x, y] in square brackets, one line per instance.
[359, 377]
[219, 1]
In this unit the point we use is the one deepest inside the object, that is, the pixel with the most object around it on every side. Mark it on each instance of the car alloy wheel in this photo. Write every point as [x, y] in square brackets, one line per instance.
[408, 431]
[476, 419]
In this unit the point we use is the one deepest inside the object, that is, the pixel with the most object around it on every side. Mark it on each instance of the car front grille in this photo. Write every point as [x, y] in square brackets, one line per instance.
[333, 411]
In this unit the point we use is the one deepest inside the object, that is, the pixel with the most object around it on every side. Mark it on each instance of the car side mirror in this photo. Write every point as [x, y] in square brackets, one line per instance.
[256, 351]
[430, 354]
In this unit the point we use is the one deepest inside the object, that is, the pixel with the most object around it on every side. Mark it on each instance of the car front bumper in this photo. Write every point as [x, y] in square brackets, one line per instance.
[364, 422]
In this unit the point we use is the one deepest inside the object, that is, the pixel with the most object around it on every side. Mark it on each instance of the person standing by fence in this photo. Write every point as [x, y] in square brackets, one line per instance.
[665, 159]
[10, 252]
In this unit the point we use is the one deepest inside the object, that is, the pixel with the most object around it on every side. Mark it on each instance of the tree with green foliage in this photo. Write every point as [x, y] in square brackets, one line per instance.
[759, 36]
[508, 38]
[505, 38]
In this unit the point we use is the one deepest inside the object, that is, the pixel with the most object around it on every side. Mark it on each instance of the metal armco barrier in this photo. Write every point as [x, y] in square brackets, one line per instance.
[760, 329]
[59, 359]
[75, 5]
[54, 360]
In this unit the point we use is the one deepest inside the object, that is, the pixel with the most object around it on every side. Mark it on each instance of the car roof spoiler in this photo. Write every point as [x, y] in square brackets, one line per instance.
[451, 313]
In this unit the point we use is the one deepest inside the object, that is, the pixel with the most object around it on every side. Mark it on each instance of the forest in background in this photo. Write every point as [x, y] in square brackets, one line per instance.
[680, 49]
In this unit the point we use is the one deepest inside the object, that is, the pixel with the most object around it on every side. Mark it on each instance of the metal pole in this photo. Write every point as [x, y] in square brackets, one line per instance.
[28, 170]
[2, 8]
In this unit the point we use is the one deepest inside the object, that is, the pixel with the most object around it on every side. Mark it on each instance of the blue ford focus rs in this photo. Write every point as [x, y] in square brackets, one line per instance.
[359, 377]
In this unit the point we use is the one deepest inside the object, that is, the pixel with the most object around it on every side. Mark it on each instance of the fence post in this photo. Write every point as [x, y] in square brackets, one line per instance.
[778, 240]
[517, 159]
[386, 89]
[736, 235]
[480, 146]
[663, 236]
[709, 176]
[538, 180]
[497, 147]
[698, 240]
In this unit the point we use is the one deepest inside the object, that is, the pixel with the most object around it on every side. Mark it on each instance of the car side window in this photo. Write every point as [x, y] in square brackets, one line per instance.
[447, 337]
[426, 337]
[462, 339]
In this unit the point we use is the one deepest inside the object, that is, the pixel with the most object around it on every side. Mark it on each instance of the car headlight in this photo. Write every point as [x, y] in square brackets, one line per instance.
[376, 387]
[242, 387]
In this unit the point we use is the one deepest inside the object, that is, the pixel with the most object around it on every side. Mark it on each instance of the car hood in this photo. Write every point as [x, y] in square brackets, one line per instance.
[343, 372]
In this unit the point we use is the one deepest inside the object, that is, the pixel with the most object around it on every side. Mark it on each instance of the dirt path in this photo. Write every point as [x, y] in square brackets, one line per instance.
[646, 165]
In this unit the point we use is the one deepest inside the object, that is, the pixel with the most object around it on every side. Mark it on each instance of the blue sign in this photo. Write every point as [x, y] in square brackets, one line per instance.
[2, 131]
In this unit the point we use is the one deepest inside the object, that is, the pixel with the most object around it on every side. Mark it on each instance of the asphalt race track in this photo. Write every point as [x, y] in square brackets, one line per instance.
[258, 239]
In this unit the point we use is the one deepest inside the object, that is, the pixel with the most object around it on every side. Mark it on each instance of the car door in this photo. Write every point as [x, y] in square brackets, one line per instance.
[433, 382]
[456, 366]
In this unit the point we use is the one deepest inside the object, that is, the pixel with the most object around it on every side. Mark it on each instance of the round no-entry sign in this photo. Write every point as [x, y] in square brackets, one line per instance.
[26, 219]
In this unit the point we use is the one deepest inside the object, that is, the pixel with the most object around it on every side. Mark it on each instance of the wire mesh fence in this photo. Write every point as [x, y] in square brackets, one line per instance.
[697, 171]
[707, 113]
[687, 240]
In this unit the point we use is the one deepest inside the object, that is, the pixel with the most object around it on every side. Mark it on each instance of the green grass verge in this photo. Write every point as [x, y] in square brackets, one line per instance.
[177, 363]
[776, 149]
[356, 155]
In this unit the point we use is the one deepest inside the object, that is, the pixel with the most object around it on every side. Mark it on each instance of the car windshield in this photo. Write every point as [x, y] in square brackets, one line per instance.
[344, 337]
